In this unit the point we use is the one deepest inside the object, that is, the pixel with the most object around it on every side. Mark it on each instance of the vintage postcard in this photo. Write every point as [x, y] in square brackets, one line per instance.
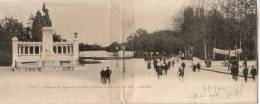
[128, 52]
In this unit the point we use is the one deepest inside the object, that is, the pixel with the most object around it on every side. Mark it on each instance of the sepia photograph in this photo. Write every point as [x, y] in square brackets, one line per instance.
[129, 52]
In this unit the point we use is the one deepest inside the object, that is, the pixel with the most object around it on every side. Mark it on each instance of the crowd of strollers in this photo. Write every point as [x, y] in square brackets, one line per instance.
[161, 66]
[234, 68]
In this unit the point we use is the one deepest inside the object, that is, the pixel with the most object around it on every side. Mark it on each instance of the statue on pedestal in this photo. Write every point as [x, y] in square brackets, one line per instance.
[46, 22]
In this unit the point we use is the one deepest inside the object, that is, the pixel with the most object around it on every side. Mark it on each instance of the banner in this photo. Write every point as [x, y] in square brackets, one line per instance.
[226, 52]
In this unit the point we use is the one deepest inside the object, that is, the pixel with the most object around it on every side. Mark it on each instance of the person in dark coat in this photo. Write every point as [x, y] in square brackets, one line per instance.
[108, 74]
[155, 63]
[149, 65]
[198, 66]
[194, 67]
[165, 67]
[183, 65]
[236, 72]
[253, 72]
[209, 62]
[103, 76]
[245, 73]
[181, 72]
[169, 65]
[158, 71]
[173, 63]
[206, 63]
[232, 68]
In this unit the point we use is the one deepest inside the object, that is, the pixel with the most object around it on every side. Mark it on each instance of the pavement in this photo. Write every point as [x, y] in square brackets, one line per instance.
[138, 85]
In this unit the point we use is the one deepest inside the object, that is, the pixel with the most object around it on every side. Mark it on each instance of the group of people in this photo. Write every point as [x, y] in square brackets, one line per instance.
[196, 66]
[235, 70]
[253, 72]
[161, 64]
[105, 75]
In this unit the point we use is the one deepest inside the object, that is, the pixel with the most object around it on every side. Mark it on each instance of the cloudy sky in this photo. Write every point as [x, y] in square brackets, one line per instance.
[98, 21]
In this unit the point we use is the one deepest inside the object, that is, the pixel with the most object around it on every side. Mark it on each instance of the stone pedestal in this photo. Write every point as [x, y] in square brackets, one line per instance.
[47, 41]
[48, 59]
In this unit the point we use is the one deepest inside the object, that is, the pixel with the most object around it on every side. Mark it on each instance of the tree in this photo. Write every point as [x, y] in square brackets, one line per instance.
[37, 26]
[10, 27]
[40, 21]
[113, 47]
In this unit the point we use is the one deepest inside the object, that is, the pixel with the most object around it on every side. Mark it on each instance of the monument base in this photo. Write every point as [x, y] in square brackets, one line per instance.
[49, 65]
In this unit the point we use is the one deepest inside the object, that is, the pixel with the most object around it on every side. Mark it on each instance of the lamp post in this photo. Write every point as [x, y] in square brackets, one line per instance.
[191, 48]
[123, 75]
[117, 56]
[236, 56]
[123, 48]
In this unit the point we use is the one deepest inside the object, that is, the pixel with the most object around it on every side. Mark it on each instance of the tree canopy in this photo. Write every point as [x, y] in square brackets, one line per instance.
[221, 24]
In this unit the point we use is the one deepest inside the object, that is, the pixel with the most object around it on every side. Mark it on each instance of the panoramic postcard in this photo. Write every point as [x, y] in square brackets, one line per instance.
[128, 52]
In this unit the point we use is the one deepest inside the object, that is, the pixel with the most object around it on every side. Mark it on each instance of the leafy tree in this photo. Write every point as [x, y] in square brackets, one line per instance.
[10, 27]
[221, 24]
[40, 21]
[113, 47]
[89, 47]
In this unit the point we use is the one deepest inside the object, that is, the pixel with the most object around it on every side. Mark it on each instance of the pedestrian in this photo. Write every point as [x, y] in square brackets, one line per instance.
[103, 76]
[169, 64]
[155, 62]
[194, 68]
[253, 72]
[232, 69]
[245, 73]
[159, 72]
[164, 67]
[173, 63]
[149, 65]
[236, 70]
[198, 66]
[183, 65]
[181, 72]
[209, 62]
[108, 74]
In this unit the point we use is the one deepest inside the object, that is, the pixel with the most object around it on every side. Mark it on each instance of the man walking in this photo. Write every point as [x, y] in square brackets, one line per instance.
[245, 73]
[183, 65]
[198, 66]
[253, 72]
[108, 74]
[194, 68]
[181, 72]
[103, 76]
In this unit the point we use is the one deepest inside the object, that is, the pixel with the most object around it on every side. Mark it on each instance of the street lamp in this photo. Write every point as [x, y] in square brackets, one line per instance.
[235, 48]
[117, 48]
[191, 48]
[123, 48]
[123, 75]
[236, 56]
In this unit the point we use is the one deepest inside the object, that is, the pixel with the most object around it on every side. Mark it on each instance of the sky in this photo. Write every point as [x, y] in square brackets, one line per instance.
[98, 21]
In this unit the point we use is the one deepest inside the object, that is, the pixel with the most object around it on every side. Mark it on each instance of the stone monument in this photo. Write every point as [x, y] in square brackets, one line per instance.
[49, 61]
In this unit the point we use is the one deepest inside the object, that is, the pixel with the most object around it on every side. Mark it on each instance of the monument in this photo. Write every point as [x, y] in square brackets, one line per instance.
[45, 55]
